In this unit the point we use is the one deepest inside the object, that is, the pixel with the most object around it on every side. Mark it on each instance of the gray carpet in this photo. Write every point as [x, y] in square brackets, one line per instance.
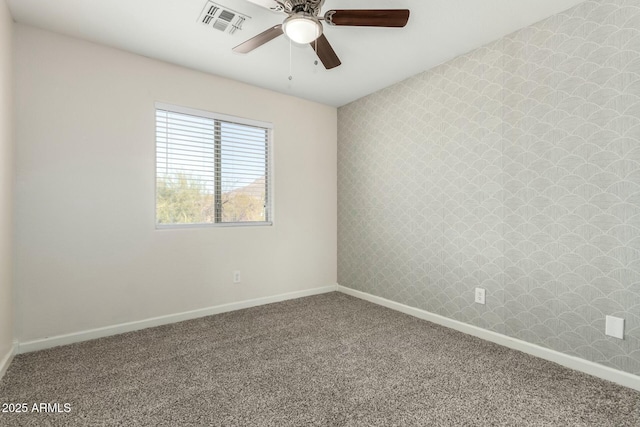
[328, 360]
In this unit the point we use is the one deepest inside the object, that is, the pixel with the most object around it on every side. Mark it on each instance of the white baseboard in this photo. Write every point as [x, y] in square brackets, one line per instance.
[576, 363]
[6, 360]
[49, 342]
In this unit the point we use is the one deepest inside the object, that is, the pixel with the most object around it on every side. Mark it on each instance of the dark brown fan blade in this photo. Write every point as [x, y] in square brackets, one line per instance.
[259, 40]
[368, 17]
[325, 52]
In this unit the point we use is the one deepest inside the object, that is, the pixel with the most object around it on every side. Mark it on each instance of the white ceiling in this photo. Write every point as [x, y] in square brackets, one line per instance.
[372, 58]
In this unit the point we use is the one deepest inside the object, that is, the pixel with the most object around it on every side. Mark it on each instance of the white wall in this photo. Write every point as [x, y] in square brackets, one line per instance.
[6, 178]
[87, 253]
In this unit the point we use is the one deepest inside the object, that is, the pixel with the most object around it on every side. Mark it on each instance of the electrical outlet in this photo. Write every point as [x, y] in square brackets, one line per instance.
[480, 295]
[614, 327]
[236, 277]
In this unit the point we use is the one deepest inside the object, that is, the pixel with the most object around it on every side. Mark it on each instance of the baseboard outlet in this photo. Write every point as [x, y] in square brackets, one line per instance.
[619, 377]
[49, 342]
[6, 360]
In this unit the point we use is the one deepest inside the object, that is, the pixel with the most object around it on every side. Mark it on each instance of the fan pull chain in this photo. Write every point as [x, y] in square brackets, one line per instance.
[290, 66]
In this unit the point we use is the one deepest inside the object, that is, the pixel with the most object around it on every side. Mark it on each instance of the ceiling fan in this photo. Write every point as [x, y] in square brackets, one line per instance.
[304, 26]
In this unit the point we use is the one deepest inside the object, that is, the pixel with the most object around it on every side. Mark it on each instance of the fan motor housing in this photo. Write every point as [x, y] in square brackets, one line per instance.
[308, 6]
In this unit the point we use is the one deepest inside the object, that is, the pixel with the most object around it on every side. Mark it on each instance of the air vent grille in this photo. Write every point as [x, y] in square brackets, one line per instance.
[222, 18]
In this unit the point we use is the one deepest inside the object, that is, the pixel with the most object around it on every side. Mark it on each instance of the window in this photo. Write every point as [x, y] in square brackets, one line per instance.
[211, 169]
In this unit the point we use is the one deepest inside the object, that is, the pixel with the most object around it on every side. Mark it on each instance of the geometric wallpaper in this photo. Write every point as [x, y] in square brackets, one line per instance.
[514, 168]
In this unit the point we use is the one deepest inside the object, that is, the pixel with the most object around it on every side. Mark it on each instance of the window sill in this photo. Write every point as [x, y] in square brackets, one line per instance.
[216, 225]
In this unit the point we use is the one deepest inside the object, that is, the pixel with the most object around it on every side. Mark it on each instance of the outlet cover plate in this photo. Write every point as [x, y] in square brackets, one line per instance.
[480, 295]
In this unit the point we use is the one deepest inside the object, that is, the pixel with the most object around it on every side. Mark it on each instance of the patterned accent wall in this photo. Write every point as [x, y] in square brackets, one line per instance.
[515, 168]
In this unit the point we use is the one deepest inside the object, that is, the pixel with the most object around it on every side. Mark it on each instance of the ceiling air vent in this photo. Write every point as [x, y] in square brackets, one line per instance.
[222, 18]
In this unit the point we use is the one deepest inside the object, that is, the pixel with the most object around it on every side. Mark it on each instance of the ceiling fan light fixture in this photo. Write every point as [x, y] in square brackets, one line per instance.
[301, 28]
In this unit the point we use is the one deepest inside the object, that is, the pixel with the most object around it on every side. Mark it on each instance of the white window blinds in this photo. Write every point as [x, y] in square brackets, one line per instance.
[210, 168]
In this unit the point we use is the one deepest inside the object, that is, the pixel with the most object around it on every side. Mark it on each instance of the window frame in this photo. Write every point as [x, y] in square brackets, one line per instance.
[269, 205]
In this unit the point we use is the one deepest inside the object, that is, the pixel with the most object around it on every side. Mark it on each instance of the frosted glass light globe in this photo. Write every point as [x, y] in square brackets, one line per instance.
[302, 29]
